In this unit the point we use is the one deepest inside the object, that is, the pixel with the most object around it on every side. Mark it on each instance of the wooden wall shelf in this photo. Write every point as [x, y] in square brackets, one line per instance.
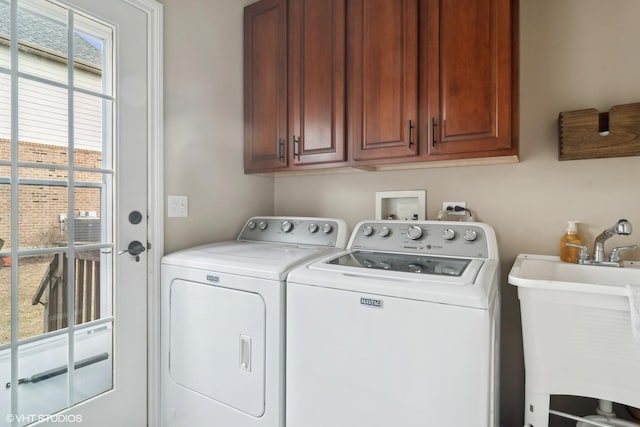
[589, 134]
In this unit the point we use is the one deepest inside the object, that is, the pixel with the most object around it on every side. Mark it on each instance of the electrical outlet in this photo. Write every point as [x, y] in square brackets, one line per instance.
[178, 206]
[445, 205]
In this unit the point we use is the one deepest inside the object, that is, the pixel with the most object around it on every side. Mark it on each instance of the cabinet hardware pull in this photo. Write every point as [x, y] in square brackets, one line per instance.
[409, 133]
[296, 142]
[280, 150]
[433, 132]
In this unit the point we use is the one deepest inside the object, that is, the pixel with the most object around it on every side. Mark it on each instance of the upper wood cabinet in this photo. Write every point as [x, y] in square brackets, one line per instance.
[265, 86]
[294, 84]
[382, 45]
[378, 83]
[468, 78]
[317, 82]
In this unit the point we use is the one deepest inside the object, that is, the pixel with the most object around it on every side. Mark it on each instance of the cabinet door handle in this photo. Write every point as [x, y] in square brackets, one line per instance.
[410, 132]
[280, 149]
[433, 132]
[296, 142]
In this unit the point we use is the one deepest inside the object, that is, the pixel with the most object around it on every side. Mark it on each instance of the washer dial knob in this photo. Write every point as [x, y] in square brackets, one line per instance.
[286, 226]
[448, 234]
[414, 232]
[367, 230]
[313, 228]
[262, 225]
[470, 235]
[384, 232]
[251, 225]
[327, 228]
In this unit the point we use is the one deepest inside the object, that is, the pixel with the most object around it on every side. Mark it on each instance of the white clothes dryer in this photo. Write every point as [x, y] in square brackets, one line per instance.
[401, 329]
[222, 322]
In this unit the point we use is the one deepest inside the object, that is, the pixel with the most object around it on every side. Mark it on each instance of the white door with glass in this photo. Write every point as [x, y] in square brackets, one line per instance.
[74, 132]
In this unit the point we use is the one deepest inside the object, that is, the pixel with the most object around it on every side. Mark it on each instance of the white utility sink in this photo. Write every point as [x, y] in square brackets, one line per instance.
[548, 272]
[576, 332]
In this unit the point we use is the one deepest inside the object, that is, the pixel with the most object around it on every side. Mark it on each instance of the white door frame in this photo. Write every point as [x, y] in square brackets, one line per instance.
[155, 200]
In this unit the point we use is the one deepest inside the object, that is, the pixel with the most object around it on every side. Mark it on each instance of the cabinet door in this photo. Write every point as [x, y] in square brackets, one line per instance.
[382, 53]
[265, 86]
[470, 85]
[317, 81]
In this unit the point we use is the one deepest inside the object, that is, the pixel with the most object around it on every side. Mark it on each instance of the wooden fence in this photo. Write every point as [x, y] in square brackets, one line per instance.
[53, 290]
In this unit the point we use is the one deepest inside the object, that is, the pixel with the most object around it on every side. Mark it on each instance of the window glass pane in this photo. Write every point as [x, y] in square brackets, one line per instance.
[90, 130]
[5, 31]
[91, 222]
[43, 40]
[87, 290]
[5, 302]
[43, 214]
[5, 115]
[93, 351]
[5, 214]
[48, 395]
[92, 42]
[43, 123]
[39, 281]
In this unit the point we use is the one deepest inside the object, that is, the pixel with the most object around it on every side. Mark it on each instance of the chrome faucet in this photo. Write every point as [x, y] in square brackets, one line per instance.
[622, 228]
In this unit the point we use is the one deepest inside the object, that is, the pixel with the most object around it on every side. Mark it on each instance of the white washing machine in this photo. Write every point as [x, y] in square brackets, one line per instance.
[401, 329]
[222, 322]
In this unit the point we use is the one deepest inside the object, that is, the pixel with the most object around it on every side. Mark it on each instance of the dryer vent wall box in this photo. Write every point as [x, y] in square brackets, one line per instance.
[402, 205]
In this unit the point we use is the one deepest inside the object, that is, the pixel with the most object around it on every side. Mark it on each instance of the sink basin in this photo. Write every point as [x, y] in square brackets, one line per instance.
[576, 332]
[548, 272]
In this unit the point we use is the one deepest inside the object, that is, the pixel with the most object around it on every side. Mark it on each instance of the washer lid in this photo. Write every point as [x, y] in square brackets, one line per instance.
[465, 282]
[255, 259]
[417, 264]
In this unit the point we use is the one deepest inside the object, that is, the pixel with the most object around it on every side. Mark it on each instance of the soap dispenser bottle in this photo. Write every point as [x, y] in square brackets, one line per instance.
[568, 253]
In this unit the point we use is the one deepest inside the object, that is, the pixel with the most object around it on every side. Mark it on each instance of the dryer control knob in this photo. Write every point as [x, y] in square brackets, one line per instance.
[327, 228]
[448, 234]
[384, 232]
[414, 232]
[251, 225]
[367, 230]
[286, 226]
[313, 228]
[262, 225]
[470, 235]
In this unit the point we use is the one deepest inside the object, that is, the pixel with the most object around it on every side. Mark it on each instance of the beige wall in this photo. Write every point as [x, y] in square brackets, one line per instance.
[574, 54]
[204, 123]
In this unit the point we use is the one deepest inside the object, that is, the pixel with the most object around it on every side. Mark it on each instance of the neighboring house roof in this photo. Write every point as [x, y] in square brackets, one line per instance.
[38, 31]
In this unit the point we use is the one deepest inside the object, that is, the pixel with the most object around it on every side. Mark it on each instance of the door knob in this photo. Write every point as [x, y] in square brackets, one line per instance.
[135, 248]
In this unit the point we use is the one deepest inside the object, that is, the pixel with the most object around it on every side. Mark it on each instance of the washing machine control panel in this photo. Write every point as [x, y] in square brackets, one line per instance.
[328, 232]
[422, 237]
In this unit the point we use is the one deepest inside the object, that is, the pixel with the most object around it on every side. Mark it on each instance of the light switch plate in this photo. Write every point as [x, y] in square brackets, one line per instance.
[178, 206]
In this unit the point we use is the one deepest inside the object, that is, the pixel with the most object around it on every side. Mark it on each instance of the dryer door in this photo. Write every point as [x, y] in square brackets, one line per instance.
[217, 344]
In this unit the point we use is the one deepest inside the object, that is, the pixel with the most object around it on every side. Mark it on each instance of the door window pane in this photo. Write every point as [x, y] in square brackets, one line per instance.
[38, 280]
[5, 301]
[93, 41]
[5, 31]
[41, 392]
[91, 221]
[43, 215]
[5, 113]
[90, 130]
[43, 123]
[5, 220]
[43, 40]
